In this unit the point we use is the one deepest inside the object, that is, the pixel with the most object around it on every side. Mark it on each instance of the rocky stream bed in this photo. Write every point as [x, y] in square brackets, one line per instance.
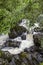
[21, 47]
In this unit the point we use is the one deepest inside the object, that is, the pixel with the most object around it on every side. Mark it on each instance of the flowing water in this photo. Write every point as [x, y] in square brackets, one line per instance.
[24, 43]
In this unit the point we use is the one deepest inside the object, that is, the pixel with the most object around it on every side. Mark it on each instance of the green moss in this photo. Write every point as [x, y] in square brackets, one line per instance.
[41, 63]
[1, 53]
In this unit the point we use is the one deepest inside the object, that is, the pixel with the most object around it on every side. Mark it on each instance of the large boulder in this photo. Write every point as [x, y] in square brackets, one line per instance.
[16, 31]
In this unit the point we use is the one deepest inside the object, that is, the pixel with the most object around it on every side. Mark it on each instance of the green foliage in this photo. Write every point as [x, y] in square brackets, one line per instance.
[11, 11]
[41, 64]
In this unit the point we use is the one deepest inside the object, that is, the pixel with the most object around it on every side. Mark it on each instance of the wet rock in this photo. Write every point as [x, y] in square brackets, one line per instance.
[32, 49]
[8, 56]
[40, 58]
[3, 62]
[37, 41]
[16, 31]
[37, 29]
[41, 51]
[32, 59]
[11, 43]
[5, 55]
[17, 59]
[29, 58]
[26, 50]
[34, 56]
[25, 61]
[2, 55]
[23, 37]
[13, 62]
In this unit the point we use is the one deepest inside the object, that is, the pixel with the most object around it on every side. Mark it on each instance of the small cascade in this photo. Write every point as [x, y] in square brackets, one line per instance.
[18, 46]
[24, 44]
[23, 41]
[3, 39]
[26, 40]
[25, 23]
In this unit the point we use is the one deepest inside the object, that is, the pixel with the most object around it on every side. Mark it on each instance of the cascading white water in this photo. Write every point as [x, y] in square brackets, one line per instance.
[3, 39]
[24, 43]
[25, 23]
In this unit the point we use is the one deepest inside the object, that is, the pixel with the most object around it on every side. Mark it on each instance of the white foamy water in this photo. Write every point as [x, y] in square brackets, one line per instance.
[25, 23]
[24, 44]
[36, 24]
[3, 39]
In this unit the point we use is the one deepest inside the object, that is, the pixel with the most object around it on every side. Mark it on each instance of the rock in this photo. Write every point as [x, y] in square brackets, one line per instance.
[24, 58]
[23, 37]
[13, 62]
[2, 55]
[11, 43]
[29, 58]
[37, 29]
[16, 57]
[32, 49]
[25, 61]
[3, 62]
[26, 50]
[32, 59]
[5, 55]
[22, 63]
[37, 41]
[41, 51]
[34, 56]
[29, 50]
[16, 31]
[40, 58]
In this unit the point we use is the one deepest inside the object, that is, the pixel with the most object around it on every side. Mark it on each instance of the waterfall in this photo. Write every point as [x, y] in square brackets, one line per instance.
[24, 44]
[25, 23]
[27, 43]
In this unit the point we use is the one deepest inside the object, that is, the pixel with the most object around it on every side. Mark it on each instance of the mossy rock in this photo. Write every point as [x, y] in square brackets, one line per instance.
[2, 55]
[16, 31]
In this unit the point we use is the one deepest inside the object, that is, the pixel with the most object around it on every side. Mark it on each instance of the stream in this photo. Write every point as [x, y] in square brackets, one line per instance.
[27, 43]
[22, 43]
